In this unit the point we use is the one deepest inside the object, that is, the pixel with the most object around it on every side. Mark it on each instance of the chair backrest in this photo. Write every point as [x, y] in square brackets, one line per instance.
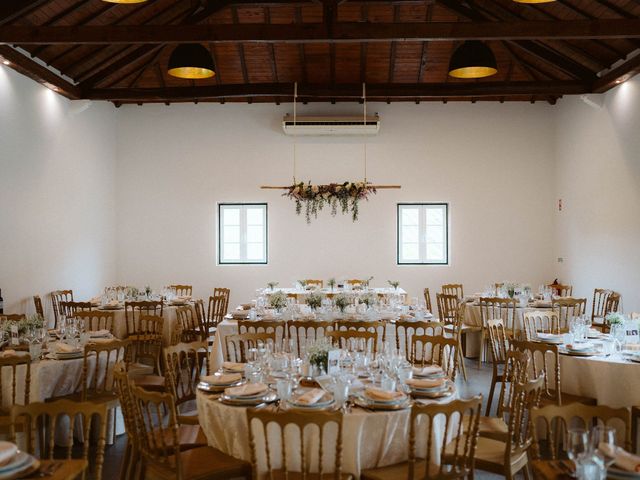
[184, 364]
[377, 326]
[37, 302]
[226, 293]
[95, 320]
[187, 328]
[498, 342]
[516, 370]
[308, 456]
[553, 421]
[156, 419]
[238, 345]
[427, 299]
[317, 283]
[45, 416]
[526, 396]
[604, 302]
[257, 326]
[301, 331]
[355, 339]
[99, 363]
[561, 290]
[544, 359]
[405, 329]
[540, 321]
[568, 309]
[494, 308]
[453, 289]
[145, 343]
[460, 419]
[123, 387]
[354, 281]
[57, 297]
[216, 310]
[69, 309]
[19, 382]
[133, 311]
[435, 350]
[447, 307]
[182, 290]
[12, 317]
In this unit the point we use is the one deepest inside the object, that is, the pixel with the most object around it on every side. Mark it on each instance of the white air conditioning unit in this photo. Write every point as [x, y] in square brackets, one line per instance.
[308, 125]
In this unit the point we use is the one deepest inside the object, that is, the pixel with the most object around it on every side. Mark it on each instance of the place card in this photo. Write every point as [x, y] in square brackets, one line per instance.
[15, 336]
[631, 333]
[333, 362]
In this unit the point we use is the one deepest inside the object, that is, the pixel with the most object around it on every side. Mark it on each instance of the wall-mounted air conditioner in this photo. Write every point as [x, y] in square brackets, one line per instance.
[310, 125]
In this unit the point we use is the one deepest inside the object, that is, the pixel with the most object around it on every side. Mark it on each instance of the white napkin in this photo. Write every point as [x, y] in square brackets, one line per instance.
[427, 371]
[222, 379]
[246, 390]
[8, 353]
[425, 382]
[7, 451]
[623, 459]
[311, 397]
[65, 348]
[233, 367]
[382, 395]
[579, 346]
[99, 333]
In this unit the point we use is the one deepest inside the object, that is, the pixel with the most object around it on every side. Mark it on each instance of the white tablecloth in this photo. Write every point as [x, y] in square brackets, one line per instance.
[370, 439]
[168, 313]
[472, 315]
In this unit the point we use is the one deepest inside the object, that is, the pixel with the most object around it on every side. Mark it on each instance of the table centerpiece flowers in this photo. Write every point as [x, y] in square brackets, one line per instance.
[394, 284]
[278, 301]
[318, 356]
[314, 300]
[342, 301]
[272, 285]
[331, 283]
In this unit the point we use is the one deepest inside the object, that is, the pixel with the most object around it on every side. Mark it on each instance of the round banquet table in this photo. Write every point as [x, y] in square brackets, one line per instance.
[168, 327]
[370, 439]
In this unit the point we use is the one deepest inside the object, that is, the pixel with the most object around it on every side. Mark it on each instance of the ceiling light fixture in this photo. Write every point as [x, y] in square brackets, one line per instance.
[534, 1]
[124, 1]
[191, 61]
[472, 59]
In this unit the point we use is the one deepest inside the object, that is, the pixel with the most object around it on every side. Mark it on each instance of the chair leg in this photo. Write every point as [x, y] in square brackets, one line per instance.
[491, 393]
[462, 365]
[481, 348]
[525, 472]
[635, 417]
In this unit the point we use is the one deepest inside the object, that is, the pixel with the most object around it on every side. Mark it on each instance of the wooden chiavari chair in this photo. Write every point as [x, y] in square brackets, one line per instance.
[158, 435]
[301, 331]
[604, 303]
[405, 329]
[455, 461]
[354, 281]
[145, 350]
[635, 418]
[355, 339]
[378, 326]
[435, 350]
[568, 309]
[183, 290]
[561, 290]
[447, 308]
[97, 383]
[279, 329]
[493, 308]
[217, 309]
[133, 311]
[188, 327]
[545, 359]
[69, 309]
[237, 345]
[37, 303]
[92, 417]
[184, 364]
[453, 289]
[540, 321]
[57, 297]
[509, 457]
[499, 343]
[95, 320]
[297, 459]
[12, 317]
[553, 421]
[18, 382]
[427, 299]
[315, 283]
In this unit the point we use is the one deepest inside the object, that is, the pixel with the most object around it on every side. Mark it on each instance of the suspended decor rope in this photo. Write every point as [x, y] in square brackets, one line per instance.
[343, 196]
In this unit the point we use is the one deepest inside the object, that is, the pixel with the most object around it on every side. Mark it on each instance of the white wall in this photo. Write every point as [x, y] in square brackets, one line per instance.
[57, 200]
[598, 179]
[492, 162]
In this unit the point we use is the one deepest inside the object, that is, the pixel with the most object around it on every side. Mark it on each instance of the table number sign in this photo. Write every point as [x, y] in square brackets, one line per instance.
[333, 362]
[631, 333]
[15, 336]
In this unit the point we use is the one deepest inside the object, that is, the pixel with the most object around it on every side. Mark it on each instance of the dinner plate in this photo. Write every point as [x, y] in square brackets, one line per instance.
[550, 338]
[212, 388]
[325, 401]
[364, 403]
[580, 353]
[21, 462]
[434, 375]
[372, 401]
[268, 397]
[110, 307]
[439, 388]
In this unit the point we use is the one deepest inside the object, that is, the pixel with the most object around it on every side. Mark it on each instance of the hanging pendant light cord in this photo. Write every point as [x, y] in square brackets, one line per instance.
[364, 98]
[295, 118]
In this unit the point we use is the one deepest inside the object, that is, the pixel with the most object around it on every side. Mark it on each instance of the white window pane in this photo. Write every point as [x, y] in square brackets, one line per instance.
[410, 234]
[410, 216]
[255, 251]
[231, 234]
[231, 216]
[231, 251]
[255, 234]
[435, 252]
[255, 216]
[435, 235]
[435, 216]
[410, 252]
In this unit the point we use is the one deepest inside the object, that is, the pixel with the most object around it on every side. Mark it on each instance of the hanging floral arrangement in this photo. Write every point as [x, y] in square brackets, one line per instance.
[344, 196]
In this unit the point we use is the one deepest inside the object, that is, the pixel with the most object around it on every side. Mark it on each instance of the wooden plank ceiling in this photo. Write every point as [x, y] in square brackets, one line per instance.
[400, 49]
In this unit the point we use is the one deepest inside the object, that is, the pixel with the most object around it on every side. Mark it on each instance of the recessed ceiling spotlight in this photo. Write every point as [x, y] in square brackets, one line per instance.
[6, 62]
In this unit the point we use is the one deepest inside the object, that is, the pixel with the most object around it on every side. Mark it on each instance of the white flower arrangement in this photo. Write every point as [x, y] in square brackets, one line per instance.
[342, 301]
[314, 300]
[318, 353]
[278, 300]
[615, 318]
[24, 325]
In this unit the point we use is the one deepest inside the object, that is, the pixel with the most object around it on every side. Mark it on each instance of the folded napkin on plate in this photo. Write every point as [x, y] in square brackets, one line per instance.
[246, 306]
[65, 348]
[99, 333]
[579, 346]
[246, 390]
[311, 397]
[7, 451]
[425, 382]
[384, 395]
[223, 379]
[428, 370]
[184, 298]
[233, 366]
[623, 459]
[113, 303]
[101, 340]
[240, 314]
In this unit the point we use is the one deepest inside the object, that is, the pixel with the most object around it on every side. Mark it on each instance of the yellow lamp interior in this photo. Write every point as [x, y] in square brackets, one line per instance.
[473, 72]
[193, 73]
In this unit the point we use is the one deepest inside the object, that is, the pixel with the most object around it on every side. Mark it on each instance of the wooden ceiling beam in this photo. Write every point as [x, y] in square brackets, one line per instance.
[618, 75]
[351, 91]
[11, 10]
[315, 32]
[41, 74]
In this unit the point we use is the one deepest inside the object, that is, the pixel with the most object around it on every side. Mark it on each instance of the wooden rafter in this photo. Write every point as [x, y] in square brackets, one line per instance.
[11, 10]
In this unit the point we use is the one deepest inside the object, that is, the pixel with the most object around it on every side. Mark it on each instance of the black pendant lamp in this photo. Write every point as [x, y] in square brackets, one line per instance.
[191, 61]
[472, 59]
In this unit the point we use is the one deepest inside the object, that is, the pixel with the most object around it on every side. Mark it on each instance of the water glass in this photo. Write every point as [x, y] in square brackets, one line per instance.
[603, 441]
[340, 392]
[577, 443]
[387, 383]
[284, 389]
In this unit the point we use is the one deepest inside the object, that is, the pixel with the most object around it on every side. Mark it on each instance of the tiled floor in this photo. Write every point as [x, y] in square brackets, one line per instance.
[479, 380]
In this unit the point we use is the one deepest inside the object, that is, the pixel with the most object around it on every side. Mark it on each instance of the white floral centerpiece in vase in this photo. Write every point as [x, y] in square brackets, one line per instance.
[394, 284]
[318, 356]
[331, 283]
[342, 301]
[314, 300]
[278, 300]
[272, 285]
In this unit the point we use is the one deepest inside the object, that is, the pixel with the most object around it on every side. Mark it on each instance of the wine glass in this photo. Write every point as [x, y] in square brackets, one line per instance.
[603, 442]
[577, 443]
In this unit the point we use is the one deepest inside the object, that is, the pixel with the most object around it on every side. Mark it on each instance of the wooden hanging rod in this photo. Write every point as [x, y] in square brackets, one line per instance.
[377, 187]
